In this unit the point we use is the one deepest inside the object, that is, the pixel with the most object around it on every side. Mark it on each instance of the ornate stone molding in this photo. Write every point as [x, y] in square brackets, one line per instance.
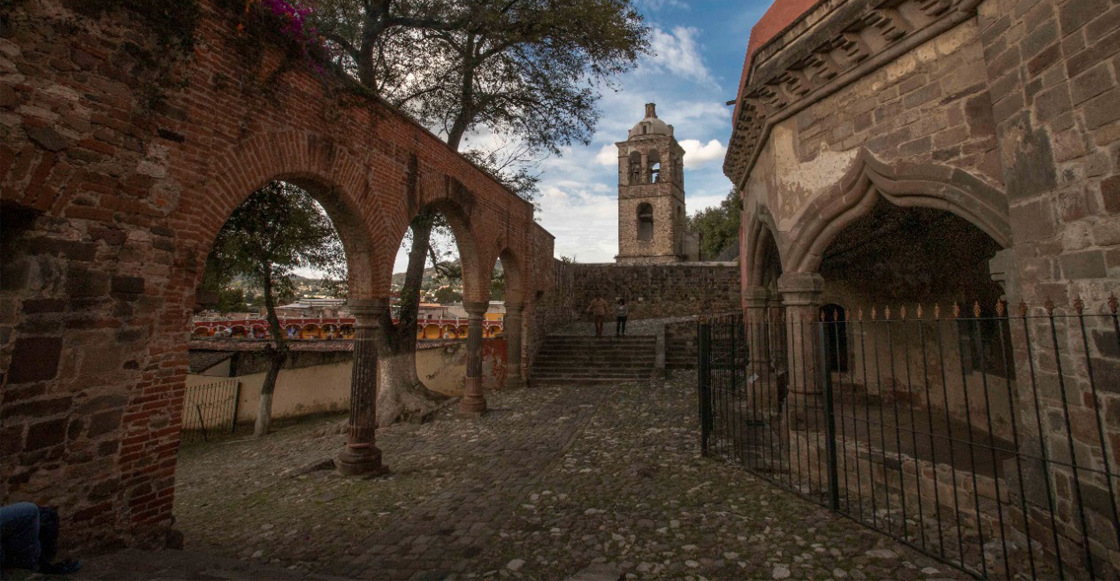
[857, 38]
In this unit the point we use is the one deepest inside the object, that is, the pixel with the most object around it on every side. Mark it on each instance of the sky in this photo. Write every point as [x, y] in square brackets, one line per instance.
[697, 56]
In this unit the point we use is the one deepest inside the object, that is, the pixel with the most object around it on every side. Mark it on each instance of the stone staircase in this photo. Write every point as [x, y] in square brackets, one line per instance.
[568, 359]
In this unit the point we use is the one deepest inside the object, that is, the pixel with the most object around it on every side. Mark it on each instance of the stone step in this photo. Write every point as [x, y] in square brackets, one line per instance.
[606, 338]
[601, 357]
[546, 382]
[591, 373]
[567, 362]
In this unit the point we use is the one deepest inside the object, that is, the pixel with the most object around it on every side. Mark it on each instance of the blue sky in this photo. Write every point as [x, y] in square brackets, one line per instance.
[698, 48]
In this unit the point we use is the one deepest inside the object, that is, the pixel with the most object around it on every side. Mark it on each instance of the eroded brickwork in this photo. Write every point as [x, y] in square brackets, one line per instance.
[112, 188]
[892, 152]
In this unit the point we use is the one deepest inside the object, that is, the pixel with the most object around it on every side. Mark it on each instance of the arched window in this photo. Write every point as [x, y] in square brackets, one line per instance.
[654, 161]
[635, 168]
[645, 222]
[836, 337]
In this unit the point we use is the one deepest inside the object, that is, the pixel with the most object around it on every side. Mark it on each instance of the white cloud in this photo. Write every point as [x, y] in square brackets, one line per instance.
[585, 224]
[697, 154]
[608, 155]
[678, 52]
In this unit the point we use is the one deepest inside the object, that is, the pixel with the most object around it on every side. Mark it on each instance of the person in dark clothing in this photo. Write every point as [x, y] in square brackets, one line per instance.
[29, 539]
[620, 313]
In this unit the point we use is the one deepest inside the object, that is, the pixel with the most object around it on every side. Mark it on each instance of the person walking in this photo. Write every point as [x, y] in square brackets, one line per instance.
[598, 309]
[620, 313]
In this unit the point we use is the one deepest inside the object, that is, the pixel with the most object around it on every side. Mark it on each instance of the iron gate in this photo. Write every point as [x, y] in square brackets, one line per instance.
[210, 409]
[988, 440]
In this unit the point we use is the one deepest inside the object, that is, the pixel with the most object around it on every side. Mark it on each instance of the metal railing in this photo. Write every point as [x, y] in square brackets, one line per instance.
[989, 440]
[210, 409]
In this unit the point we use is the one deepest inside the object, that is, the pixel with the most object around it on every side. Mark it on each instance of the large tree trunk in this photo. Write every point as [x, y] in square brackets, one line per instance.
[401, 394]
[277, 356]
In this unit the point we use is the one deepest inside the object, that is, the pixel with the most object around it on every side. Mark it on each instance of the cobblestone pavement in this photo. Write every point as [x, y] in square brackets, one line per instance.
[553, 482]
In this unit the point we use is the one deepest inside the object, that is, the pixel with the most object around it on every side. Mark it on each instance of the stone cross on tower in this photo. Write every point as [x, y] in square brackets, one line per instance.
[651, 195]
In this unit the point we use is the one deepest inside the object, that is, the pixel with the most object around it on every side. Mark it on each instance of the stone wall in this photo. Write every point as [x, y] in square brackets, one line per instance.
[1004, 115]
[657, 291]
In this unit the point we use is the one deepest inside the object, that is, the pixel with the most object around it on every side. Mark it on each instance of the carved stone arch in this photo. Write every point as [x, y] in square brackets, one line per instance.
[762, 244]
[338, 181]
[910, 185]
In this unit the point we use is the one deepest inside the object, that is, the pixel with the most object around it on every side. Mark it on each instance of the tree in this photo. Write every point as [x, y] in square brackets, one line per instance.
[374, 35]
[277, 229]
[718, 226]
[526, 70]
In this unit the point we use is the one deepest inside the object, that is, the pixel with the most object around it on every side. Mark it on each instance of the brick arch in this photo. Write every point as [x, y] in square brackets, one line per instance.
[476, 280]
[918, 185]
[124, 201]
[326, 170]
[514, 269]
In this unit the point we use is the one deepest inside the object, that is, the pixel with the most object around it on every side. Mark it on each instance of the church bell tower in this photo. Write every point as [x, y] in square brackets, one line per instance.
[651, 211]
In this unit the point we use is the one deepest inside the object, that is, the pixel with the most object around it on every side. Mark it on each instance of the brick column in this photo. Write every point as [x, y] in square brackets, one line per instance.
[474, 402]
[361, 455]
[512, 330]
[801, 296]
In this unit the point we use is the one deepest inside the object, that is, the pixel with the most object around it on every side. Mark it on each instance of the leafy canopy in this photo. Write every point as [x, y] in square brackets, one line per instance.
[278, 229]
[718, 226]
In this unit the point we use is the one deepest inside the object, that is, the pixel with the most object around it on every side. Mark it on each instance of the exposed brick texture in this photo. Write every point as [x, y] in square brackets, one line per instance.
[1005, 113]
[113, 188]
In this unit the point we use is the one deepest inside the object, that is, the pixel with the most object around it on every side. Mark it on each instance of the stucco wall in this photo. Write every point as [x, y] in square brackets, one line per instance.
[326, 387]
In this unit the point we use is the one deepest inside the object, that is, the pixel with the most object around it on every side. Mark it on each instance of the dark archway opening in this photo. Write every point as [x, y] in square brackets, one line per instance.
[645, 222]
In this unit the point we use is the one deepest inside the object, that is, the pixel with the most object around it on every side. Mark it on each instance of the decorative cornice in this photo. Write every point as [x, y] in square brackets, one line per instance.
[842, 48]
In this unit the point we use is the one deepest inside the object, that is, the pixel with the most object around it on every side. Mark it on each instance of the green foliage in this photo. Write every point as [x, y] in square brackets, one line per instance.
[526, 70]
[277, 229]
[447, 294]
[718, 227]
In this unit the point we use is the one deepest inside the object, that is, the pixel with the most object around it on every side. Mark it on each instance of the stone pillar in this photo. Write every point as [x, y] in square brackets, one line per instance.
[762, 384]
[801, 297]
[512, 328]
[361, 455]
[474, 402]
[756, 302]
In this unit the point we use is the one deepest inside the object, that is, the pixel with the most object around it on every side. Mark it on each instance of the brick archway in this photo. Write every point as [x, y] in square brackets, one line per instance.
[111, 201]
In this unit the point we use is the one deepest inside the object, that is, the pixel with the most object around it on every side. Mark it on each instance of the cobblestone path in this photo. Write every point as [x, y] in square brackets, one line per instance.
[554, 482]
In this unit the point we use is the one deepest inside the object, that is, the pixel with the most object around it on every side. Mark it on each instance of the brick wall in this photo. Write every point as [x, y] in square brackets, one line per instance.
[112, 188]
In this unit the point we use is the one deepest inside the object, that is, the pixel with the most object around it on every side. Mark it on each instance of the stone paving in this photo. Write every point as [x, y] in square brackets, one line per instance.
[554, 482]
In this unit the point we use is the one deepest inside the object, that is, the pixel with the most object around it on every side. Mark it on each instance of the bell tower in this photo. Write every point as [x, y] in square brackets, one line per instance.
[651, 207]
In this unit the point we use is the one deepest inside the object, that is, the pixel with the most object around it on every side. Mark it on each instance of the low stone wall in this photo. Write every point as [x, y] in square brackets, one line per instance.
[681, 345]
[659, 290]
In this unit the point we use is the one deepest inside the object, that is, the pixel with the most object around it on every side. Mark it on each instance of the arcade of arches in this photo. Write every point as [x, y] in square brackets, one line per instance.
[111, 201]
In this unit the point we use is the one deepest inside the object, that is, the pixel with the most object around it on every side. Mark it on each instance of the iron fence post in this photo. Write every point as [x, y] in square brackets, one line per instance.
[236, 406]
[829, 420]
[704, 339]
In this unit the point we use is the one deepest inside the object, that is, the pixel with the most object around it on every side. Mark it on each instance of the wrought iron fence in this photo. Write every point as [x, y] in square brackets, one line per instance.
[989, 440]
[210, 409]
